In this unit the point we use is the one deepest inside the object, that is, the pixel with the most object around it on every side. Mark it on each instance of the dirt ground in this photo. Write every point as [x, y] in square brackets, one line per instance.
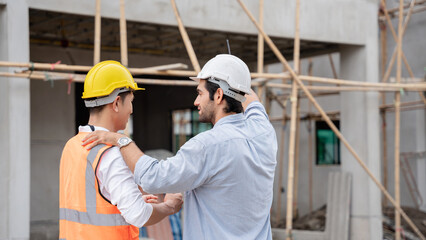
[315, 221]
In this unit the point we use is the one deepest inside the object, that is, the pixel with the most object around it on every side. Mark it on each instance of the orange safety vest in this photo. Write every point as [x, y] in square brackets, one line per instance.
[84, 213]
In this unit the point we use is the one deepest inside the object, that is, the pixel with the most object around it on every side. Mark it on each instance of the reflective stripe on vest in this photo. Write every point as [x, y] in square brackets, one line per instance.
[90, 216]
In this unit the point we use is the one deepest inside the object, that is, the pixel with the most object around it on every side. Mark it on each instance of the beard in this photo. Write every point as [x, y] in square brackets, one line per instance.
[207, 113]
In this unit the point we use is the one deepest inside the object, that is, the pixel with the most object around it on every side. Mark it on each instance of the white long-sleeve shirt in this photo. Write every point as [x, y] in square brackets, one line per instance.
[117, 184]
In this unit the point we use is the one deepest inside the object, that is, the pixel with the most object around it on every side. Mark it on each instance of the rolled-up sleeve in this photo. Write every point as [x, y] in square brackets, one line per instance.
[185, 171]
[256, 109]
[117, 184]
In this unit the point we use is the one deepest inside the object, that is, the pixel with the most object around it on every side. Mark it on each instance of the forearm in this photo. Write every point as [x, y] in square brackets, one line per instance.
[159, 211]
[131, 154]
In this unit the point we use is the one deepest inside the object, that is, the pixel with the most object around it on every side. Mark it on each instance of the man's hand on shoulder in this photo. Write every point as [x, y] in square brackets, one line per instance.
[98, 137]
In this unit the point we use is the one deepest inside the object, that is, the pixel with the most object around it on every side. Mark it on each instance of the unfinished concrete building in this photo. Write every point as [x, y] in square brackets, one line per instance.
[41, 106]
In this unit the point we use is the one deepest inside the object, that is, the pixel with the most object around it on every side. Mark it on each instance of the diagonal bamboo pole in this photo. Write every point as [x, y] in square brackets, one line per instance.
[395, 37]
[293, 120]
[123, 35]
[330, 58]
[328, 121]
[186, 39]
[97, 47]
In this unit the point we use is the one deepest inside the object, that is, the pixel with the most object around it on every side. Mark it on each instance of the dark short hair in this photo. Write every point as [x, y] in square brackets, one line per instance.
[94, 110]
[232, 104]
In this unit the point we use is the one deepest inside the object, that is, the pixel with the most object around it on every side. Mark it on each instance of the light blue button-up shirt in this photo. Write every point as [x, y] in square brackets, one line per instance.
[227, 175]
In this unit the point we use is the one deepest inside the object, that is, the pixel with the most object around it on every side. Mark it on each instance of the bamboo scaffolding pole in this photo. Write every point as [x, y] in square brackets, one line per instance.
[149, 70]
[80, 78]
[403, 104]
[281, 166]
[408, 108]
[336, 88]
[355, 83]
[268, 102]
[405, 166]
[398, 124]
[97, 47]
[296, 166]
[310, 144]
[123, 35]
[388, 20]
[269, 85]
[183, 73]
[274, 97]
[311, 116]
[407, 5]
[168, 67]
[334, 114]
[407, 19]
[332, 66]
[291, 146]
[327, 119]
[260, 51]
[383, 38]
[186, 39]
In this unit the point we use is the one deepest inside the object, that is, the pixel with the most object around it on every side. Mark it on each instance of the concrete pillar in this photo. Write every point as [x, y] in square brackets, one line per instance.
[14, 124]
[360, 125]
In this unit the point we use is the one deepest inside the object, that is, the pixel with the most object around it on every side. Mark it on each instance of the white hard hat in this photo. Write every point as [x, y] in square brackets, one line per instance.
[230, 72]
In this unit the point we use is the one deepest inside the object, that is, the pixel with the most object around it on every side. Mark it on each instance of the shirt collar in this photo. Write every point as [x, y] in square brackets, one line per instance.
[229, 119]
[86, 128]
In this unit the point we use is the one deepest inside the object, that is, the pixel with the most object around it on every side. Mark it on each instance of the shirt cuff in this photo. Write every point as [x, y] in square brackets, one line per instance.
[143, 164]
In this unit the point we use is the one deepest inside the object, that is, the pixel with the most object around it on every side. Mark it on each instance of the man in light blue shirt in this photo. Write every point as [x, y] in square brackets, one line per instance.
[227, 172]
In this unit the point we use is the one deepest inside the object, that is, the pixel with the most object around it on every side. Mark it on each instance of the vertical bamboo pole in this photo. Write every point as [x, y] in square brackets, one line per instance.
[281, 166]
[97, 47]
[296, 165]
[383, 38]
[290, 181]
[310, 158]
[291, 148]
[186, 39]
[328, 120]
[123, 35]
[260, 50]
[397, 124]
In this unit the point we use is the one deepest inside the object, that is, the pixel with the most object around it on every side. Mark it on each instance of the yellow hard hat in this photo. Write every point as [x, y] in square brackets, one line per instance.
[105, 77]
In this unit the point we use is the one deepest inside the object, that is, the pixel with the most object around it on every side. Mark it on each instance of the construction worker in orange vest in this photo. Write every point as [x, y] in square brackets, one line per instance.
[99, 198]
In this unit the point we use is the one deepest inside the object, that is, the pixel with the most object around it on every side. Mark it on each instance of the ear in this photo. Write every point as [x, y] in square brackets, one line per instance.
[115, 104]
[219, 95]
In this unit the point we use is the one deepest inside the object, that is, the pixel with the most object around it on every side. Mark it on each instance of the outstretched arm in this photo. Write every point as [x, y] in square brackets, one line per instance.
[250, 98]
[131, 153]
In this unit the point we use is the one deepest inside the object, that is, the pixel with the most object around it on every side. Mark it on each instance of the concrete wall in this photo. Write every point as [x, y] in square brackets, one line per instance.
[14, 124]
[328, 21]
